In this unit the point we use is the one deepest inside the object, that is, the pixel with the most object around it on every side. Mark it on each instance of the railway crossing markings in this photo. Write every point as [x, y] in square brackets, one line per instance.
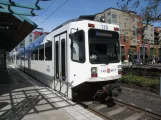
[116, 111]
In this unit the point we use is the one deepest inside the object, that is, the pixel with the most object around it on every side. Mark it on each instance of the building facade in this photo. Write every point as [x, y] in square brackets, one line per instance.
[157, 41]
[30, 38]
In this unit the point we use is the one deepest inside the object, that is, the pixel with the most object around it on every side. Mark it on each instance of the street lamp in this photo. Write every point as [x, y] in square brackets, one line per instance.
[24, 57]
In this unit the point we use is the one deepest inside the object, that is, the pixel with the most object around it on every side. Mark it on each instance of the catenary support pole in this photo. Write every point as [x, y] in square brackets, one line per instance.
[160, 86]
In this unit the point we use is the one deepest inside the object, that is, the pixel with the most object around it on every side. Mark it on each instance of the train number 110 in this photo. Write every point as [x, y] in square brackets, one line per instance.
[105, 27]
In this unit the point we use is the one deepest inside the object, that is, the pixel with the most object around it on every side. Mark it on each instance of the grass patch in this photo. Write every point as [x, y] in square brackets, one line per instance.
[140, 81]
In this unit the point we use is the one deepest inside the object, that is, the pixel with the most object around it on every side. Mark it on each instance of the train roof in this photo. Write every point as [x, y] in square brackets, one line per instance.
[81, 18]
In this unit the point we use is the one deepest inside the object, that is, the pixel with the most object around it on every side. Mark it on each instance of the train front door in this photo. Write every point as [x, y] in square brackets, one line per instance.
[60, 81]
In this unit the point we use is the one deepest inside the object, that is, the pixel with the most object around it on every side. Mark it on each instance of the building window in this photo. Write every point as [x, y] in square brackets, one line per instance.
[138, 41]
[114, 22]
[109, 21]
[133, 37]
[109, 17]
[30, 35]
[134, 32]
[125, 18]
[125, 24]
[30, 40]
[125, 32]
[114, 16]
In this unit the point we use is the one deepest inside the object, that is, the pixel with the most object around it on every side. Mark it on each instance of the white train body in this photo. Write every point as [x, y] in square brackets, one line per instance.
[91, 54]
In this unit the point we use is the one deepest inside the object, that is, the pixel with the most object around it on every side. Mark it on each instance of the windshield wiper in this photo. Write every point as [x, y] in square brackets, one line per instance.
[104, 59]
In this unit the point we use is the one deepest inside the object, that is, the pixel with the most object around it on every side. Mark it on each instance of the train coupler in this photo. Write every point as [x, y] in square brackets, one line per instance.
[105, 95]
[109, 101]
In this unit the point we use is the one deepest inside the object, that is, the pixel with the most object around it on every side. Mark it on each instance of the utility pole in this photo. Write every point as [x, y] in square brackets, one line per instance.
[143, 51]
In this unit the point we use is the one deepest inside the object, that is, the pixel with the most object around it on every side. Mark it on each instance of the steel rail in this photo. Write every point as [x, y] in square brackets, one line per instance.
[139, 109]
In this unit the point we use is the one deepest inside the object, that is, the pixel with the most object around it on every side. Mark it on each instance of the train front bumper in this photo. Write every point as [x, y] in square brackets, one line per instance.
[109, 78]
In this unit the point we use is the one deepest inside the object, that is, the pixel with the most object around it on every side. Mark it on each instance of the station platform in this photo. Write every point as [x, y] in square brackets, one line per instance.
[26, 98]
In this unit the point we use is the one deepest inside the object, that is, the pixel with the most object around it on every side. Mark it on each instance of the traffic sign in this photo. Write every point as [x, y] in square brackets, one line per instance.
[4, 27]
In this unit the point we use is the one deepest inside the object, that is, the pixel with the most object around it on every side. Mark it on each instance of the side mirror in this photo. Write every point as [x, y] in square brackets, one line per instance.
[71, 35]
[71, 45]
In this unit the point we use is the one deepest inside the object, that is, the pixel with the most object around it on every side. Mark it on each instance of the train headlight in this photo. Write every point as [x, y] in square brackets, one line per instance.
[119, 69]
[94, 72]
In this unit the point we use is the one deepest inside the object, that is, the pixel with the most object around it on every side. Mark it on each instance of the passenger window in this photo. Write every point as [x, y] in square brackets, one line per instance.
[78, 47]
[32, 55]
[36, 54]
[41, 52]
[48, 50]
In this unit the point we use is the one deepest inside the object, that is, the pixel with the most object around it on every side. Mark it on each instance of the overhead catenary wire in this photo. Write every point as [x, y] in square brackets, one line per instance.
[46, 9]
[54, 11]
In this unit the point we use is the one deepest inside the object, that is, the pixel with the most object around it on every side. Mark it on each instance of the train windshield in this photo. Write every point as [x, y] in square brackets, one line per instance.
[104, 46]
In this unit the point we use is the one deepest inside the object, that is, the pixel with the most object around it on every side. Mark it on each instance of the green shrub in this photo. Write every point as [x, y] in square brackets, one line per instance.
[139, 81]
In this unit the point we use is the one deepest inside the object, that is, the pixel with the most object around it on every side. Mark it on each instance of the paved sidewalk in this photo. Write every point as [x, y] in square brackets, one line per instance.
[27, 99]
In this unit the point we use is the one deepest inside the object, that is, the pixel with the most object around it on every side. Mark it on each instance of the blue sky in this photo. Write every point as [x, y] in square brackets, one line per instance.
[72, 9]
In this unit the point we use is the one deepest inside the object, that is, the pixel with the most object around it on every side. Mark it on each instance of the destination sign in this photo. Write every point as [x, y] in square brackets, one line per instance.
[103, 34]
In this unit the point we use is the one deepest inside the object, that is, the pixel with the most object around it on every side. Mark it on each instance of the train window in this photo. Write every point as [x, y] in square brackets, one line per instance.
[63, 59]
[32, 55]
[48, 50]
[78, 47]
[41, 52]
[57, 58]
[36, 54]
[104, 46]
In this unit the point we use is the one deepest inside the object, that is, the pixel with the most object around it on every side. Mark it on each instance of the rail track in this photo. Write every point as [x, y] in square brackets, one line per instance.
[121, 111]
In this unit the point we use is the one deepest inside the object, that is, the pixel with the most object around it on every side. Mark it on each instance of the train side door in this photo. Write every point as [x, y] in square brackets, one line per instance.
[63, 64]
[56, 64]
[60, 81]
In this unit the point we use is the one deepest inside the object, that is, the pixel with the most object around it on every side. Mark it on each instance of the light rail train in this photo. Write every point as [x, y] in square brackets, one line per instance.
[77, 56]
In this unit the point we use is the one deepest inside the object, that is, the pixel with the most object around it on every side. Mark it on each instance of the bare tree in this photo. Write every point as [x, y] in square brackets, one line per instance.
[150, 10]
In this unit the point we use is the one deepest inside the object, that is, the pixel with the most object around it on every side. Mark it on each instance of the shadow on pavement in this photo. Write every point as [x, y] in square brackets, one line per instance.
[21, 98]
